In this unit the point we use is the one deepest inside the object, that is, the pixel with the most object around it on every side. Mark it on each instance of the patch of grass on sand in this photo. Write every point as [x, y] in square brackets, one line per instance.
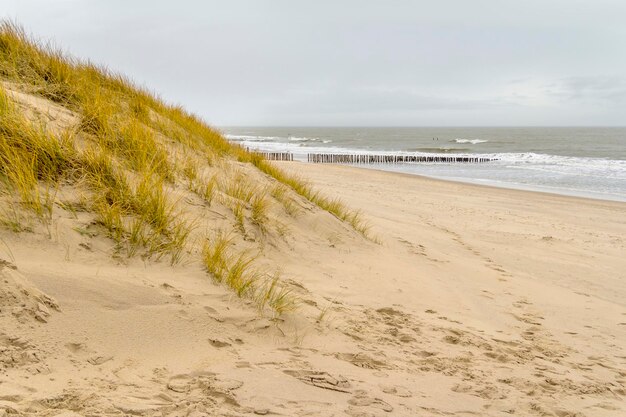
[238, 271]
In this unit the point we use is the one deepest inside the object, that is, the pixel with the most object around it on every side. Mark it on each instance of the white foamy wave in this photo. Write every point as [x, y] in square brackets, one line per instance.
[472, 141]
[297, 148]
[566, 165]
[532, 161]
[250, 138]
[298, 139]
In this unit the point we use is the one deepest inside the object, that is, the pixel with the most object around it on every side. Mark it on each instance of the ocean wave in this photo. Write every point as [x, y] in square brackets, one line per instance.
[586, 175]
[438, 150]
[251, 138]
[472, 141]
[615, 168]
[303, 139]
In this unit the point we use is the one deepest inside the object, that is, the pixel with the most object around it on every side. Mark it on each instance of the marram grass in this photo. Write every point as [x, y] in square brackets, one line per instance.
[126, 153]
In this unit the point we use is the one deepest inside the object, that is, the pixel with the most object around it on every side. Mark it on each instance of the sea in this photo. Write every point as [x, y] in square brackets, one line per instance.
[579, 161]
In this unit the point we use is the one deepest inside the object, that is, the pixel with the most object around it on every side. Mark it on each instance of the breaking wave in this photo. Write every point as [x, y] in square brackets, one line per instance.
[472, 141]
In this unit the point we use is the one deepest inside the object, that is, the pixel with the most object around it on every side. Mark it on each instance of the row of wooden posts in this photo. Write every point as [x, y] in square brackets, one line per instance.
[276, 156]
[390, 159]
[330, 158]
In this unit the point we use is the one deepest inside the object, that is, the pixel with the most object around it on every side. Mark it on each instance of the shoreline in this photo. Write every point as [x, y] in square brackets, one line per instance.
[519, 187]
[486, 186]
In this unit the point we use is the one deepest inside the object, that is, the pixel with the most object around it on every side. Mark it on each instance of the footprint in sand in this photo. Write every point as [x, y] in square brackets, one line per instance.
[361, 399]
[179, 383]
[396, 390]
[172, 292]
[206, 384]
[61, 414]
[218, 343]
[75, 347]
[99, 360]
[321, 379]
[363, 361]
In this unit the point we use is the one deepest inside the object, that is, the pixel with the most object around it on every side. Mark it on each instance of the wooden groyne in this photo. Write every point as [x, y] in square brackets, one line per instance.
[321, 158]
[276, 156]
[330, 158]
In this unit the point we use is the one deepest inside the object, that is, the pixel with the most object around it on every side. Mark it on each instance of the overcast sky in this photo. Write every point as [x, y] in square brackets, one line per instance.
[357, 62]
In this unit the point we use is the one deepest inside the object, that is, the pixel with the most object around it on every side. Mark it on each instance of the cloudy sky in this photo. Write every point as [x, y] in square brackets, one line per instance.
[357, 62]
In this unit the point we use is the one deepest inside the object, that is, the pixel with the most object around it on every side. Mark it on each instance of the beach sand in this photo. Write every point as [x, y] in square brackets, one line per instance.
[477, 301]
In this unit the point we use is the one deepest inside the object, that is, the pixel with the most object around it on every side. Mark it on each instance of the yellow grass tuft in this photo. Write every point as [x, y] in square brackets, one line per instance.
[136, 144]
[277, 296]
[215, 255]
[238, 209]
[259, 210]
[207, 190]
[279, 192]
[238, 271]
[97, 114]
[239, 187]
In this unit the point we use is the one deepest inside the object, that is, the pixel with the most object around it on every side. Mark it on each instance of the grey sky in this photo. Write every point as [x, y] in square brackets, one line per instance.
[345, 62]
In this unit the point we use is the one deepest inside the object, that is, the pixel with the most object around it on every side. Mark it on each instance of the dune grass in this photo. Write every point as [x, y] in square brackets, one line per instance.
[136, 144]
[107, 101]
[279, 192]
[333, 206]
[259, 210]
[32, 160]
[277, 296]
[235, 270]
[239, 187]
[238, 271]
[139, 216]
[190, 172]
[124, 155]
[238, 208]
[207, 190]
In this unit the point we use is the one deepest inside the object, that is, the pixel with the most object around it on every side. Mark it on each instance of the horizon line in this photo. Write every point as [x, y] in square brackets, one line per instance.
[416, 126]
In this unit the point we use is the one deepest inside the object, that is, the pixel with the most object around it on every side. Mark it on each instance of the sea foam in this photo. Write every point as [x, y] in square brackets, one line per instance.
[472, 141]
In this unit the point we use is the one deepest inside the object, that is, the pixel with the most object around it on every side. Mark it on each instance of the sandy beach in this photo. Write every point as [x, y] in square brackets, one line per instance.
[165, 251]
[476, 301]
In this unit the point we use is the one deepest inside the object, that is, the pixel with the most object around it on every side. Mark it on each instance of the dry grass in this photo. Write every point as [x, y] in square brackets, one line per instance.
[333, 206]
[238, 271]
[215, 255]
[136, 144]
[112, 107]
[238, 209]
[235, 270]
[207, 190]
[122, 155]
[277, 296]
[259, 210]
[281, 194]
[190, 172]
[32, 161]
[239, 187]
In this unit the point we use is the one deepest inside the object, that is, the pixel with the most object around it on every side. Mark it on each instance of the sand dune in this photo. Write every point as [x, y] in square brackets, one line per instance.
[478, 301]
